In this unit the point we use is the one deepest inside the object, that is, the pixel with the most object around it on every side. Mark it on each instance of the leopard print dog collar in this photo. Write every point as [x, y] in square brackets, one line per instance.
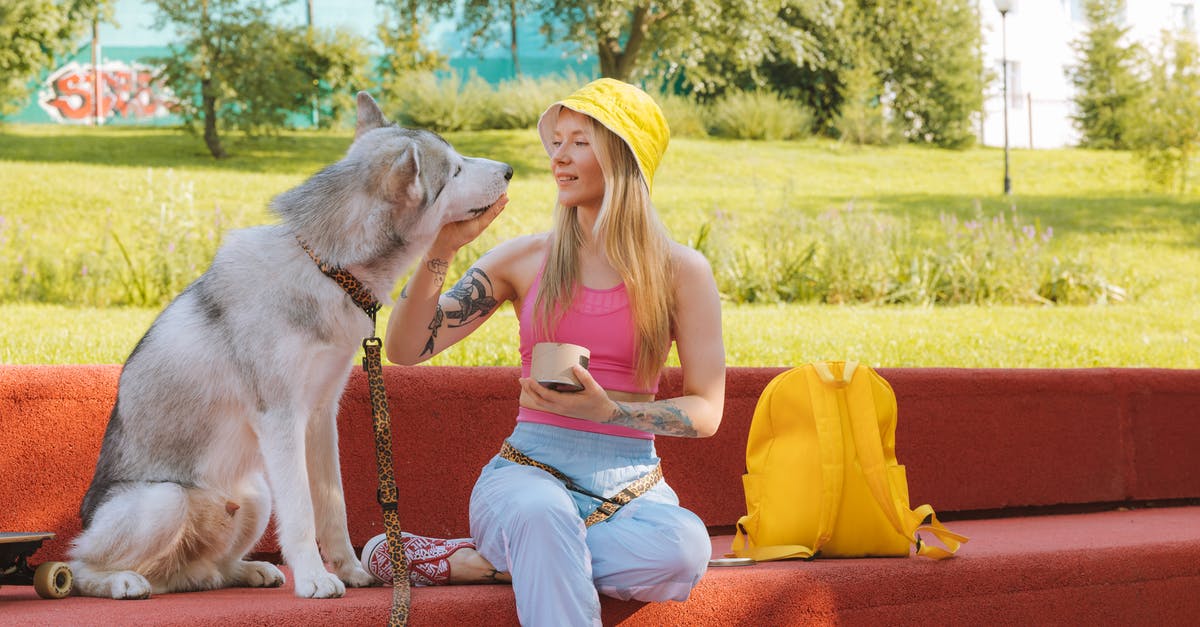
[355, 289]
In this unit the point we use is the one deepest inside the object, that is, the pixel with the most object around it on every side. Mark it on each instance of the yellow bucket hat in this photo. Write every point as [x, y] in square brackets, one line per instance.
[625, 110]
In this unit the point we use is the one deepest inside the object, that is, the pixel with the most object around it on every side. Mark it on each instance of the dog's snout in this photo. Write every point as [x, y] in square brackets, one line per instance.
[508, 172]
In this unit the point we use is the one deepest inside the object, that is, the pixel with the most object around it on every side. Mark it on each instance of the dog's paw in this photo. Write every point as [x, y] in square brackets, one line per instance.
[320, 585]
[128, 585]
[260, 575]
[354, 576]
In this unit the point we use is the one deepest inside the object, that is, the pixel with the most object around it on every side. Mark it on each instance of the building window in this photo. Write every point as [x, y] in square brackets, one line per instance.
[1074, 9]
[1183, 16]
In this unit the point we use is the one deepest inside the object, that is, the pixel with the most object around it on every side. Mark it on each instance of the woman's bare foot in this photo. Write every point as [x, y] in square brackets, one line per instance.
[468, 566]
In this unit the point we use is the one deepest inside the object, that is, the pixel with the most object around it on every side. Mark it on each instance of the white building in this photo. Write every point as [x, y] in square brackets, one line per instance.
[1039, 37]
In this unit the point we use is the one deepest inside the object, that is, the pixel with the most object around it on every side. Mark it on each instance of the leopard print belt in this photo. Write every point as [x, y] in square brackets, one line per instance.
[608, 505]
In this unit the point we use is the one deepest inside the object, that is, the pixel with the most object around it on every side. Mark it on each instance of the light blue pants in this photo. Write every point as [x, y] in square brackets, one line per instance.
[526, 523]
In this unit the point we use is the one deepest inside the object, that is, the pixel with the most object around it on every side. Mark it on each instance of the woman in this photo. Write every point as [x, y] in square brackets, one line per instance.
[609, 278]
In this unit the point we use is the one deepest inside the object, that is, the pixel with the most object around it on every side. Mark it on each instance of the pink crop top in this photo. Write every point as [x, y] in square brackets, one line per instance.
[601, 321]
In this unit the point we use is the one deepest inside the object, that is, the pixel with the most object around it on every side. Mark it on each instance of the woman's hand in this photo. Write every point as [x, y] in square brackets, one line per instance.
[590, 403]
[455, 235]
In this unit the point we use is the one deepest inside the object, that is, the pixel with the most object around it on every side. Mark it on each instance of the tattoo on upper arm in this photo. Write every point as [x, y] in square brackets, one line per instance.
[475, 298]
[663, 417]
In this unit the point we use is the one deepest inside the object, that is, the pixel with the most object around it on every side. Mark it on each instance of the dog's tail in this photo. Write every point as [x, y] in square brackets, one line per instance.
[158, 530]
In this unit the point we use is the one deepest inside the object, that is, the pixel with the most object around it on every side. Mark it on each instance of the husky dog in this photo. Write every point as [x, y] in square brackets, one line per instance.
[228, 404]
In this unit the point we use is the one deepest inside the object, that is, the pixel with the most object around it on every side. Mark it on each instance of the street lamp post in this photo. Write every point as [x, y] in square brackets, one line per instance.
[1004, 6]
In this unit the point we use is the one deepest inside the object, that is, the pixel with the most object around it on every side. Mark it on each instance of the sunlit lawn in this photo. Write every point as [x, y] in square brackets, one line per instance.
[67, 192]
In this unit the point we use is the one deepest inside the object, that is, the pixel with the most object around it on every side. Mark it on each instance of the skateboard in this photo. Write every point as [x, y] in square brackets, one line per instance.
[51, 580]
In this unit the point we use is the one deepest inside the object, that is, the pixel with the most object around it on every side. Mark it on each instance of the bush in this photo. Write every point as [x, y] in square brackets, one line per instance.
[447, 102]
[443, 105]
[853, 256]
[518, 103]
[759, 115]
[685, 116]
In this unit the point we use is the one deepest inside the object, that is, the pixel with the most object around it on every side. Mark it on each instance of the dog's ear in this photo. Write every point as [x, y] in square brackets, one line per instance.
[369, 115]
[404, 177]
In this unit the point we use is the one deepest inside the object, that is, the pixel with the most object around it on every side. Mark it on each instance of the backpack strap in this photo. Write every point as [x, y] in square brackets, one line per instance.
[867, 442]
[743, 546]
[824, 391]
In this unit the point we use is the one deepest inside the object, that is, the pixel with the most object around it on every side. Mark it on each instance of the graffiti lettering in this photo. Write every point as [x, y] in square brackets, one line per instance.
[128, 91]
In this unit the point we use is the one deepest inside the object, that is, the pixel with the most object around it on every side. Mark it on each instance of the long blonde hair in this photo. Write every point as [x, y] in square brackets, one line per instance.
[637, 246]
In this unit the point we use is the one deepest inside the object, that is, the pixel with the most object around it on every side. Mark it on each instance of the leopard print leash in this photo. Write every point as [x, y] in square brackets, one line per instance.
[609, 505]
[388, 496]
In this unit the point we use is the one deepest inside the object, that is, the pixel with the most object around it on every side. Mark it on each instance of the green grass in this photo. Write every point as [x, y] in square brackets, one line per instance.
[771, 335]
[71, 193]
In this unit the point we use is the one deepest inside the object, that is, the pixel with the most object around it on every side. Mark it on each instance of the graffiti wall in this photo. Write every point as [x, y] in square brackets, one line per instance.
[128, 93]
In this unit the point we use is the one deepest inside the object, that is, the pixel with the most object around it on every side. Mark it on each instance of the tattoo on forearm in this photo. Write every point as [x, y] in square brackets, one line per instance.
[434, 325]
[438, 267]
[663, 417]
[475, 298]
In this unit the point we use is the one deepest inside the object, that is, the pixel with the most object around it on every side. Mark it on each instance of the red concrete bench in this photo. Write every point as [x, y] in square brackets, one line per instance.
[1079, 488]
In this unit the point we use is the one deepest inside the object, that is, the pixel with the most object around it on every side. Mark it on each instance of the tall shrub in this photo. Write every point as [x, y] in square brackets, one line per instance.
[861, 119]
[759, 115]
[929, 62]
[1105, 78]
[1167, 136]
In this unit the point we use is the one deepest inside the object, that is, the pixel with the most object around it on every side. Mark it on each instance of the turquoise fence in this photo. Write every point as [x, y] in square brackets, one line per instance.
[131, 96]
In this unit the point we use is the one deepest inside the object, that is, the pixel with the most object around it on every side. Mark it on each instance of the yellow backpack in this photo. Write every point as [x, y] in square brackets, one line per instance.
[821, 472]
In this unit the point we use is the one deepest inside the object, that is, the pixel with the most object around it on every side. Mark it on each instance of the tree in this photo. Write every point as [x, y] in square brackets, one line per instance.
[237, 69]
[886, 68]
[697, 43]
[1106, 78]
[401, 31]
[929, 65]
[404, 53]
[33, 34]
[484, 17]
[335, 62]
[818, 79]
[1167, 137]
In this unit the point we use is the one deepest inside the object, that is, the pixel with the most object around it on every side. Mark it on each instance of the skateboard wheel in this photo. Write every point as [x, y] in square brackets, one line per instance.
[53, 580]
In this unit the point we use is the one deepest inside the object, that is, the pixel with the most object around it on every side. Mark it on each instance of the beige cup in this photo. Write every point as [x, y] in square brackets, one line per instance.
[552, 363]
